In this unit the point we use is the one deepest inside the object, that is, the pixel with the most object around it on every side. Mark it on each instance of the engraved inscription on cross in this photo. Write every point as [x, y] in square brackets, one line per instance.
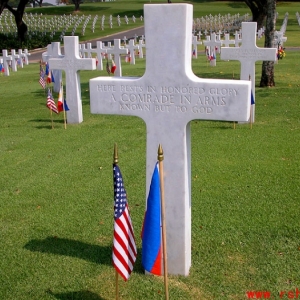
[71, 63]
[248, 53]
[167, 97]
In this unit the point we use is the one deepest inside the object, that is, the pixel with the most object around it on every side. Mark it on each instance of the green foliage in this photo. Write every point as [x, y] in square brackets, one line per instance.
[34, 41]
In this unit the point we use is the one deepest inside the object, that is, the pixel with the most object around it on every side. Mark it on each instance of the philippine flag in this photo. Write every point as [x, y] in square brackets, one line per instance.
[151, 233]
[60, 103]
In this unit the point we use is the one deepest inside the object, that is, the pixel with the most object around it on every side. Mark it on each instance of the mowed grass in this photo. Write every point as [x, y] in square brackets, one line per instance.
[56, 194]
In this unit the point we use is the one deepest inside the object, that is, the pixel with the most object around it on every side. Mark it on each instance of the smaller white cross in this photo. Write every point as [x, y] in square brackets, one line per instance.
[71, 63]
[20, 52]
[6, 58]
[131, 47]
[117, 50]
[142, 45]
[15, 58]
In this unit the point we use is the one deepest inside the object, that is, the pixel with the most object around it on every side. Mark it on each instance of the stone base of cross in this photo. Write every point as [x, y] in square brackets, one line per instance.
[167, 97]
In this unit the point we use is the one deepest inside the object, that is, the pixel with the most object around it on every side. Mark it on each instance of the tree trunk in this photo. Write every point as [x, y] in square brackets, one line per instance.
[3, 4]
[77, 5]
[267, 75]
[258, 10]
[18, 14]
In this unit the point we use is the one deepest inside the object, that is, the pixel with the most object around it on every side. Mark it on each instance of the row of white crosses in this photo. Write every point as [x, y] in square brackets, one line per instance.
[227, 23]
[41, 25]
[13, 60]
[279, 37]
[108, 51]
[85, 24]
[9, 25]
[284, 23]
[298, 17]
[71, 63]
[117, 50]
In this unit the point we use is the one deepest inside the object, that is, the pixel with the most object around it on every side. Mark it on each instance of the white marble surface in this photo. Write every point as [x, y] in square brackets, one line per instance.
[167, 97]
[71, 63]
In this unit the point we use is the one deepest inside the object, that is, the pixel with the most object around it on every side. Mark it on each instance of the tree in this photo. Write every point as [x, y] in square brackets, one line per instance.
[267, 74]
[18, 14]
[259, 11]
[77, 4]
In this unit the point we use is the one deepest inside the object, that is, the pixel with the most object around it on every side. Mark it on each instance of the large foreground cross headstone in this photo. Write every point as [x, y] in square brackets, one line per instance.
[167, 97]
[248, 53]
[71, 63]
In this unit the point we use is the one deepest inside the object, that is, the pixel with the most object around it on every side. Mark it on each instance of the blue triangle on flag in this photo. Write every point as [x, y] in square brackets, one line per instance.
[65, 105]
[252, 99]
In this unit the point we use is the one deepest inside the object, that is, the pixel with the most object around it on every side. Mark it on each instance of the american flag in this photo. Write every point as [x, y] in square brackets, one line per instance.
[50, 102]
[42, 80]
[124, 248]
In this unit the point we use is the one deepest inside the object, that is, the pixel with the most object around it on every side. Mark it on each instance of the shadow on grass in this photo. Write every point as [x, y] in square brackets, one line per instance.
[67, 247]
[94, 253]
[48, 123]
[80, 295]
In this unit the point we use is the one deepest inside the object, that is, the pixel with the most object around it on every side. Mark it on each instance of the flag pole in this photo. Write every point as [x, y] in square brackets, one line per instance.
[250, 105]
[51, 115]
[116, 160]
[233, 121]
[160, 158]
[51, 119]
[117, 286]
[63, 99]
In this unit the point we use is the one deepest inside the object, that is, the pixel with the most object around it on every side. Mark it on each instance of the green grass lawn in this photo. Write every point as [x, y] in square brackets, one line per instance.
[56, 193]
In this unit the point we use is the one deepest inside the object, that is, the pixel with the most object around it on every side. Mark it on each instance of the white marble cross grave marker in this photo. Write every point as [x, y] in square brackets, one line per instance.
[237, 39]
[195, 44]
[142, 45]
[227, 41]
[20, 52]
[89, 50]
[6, 58]
[167, 97]
[14, 61]
[71, 63]
[279, 38]
[99, 52]
[131, 47]
[25, 55]
[248, 53]
[117, 50]
[54, 51]
[213, 44]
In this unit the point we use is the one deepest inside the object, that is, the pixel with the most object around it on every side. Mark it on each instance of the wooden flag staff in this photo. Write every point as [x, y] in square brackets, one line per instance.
[51, 116]
[115, 161]
[251, 112]
[160, 158]
[64, 109]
